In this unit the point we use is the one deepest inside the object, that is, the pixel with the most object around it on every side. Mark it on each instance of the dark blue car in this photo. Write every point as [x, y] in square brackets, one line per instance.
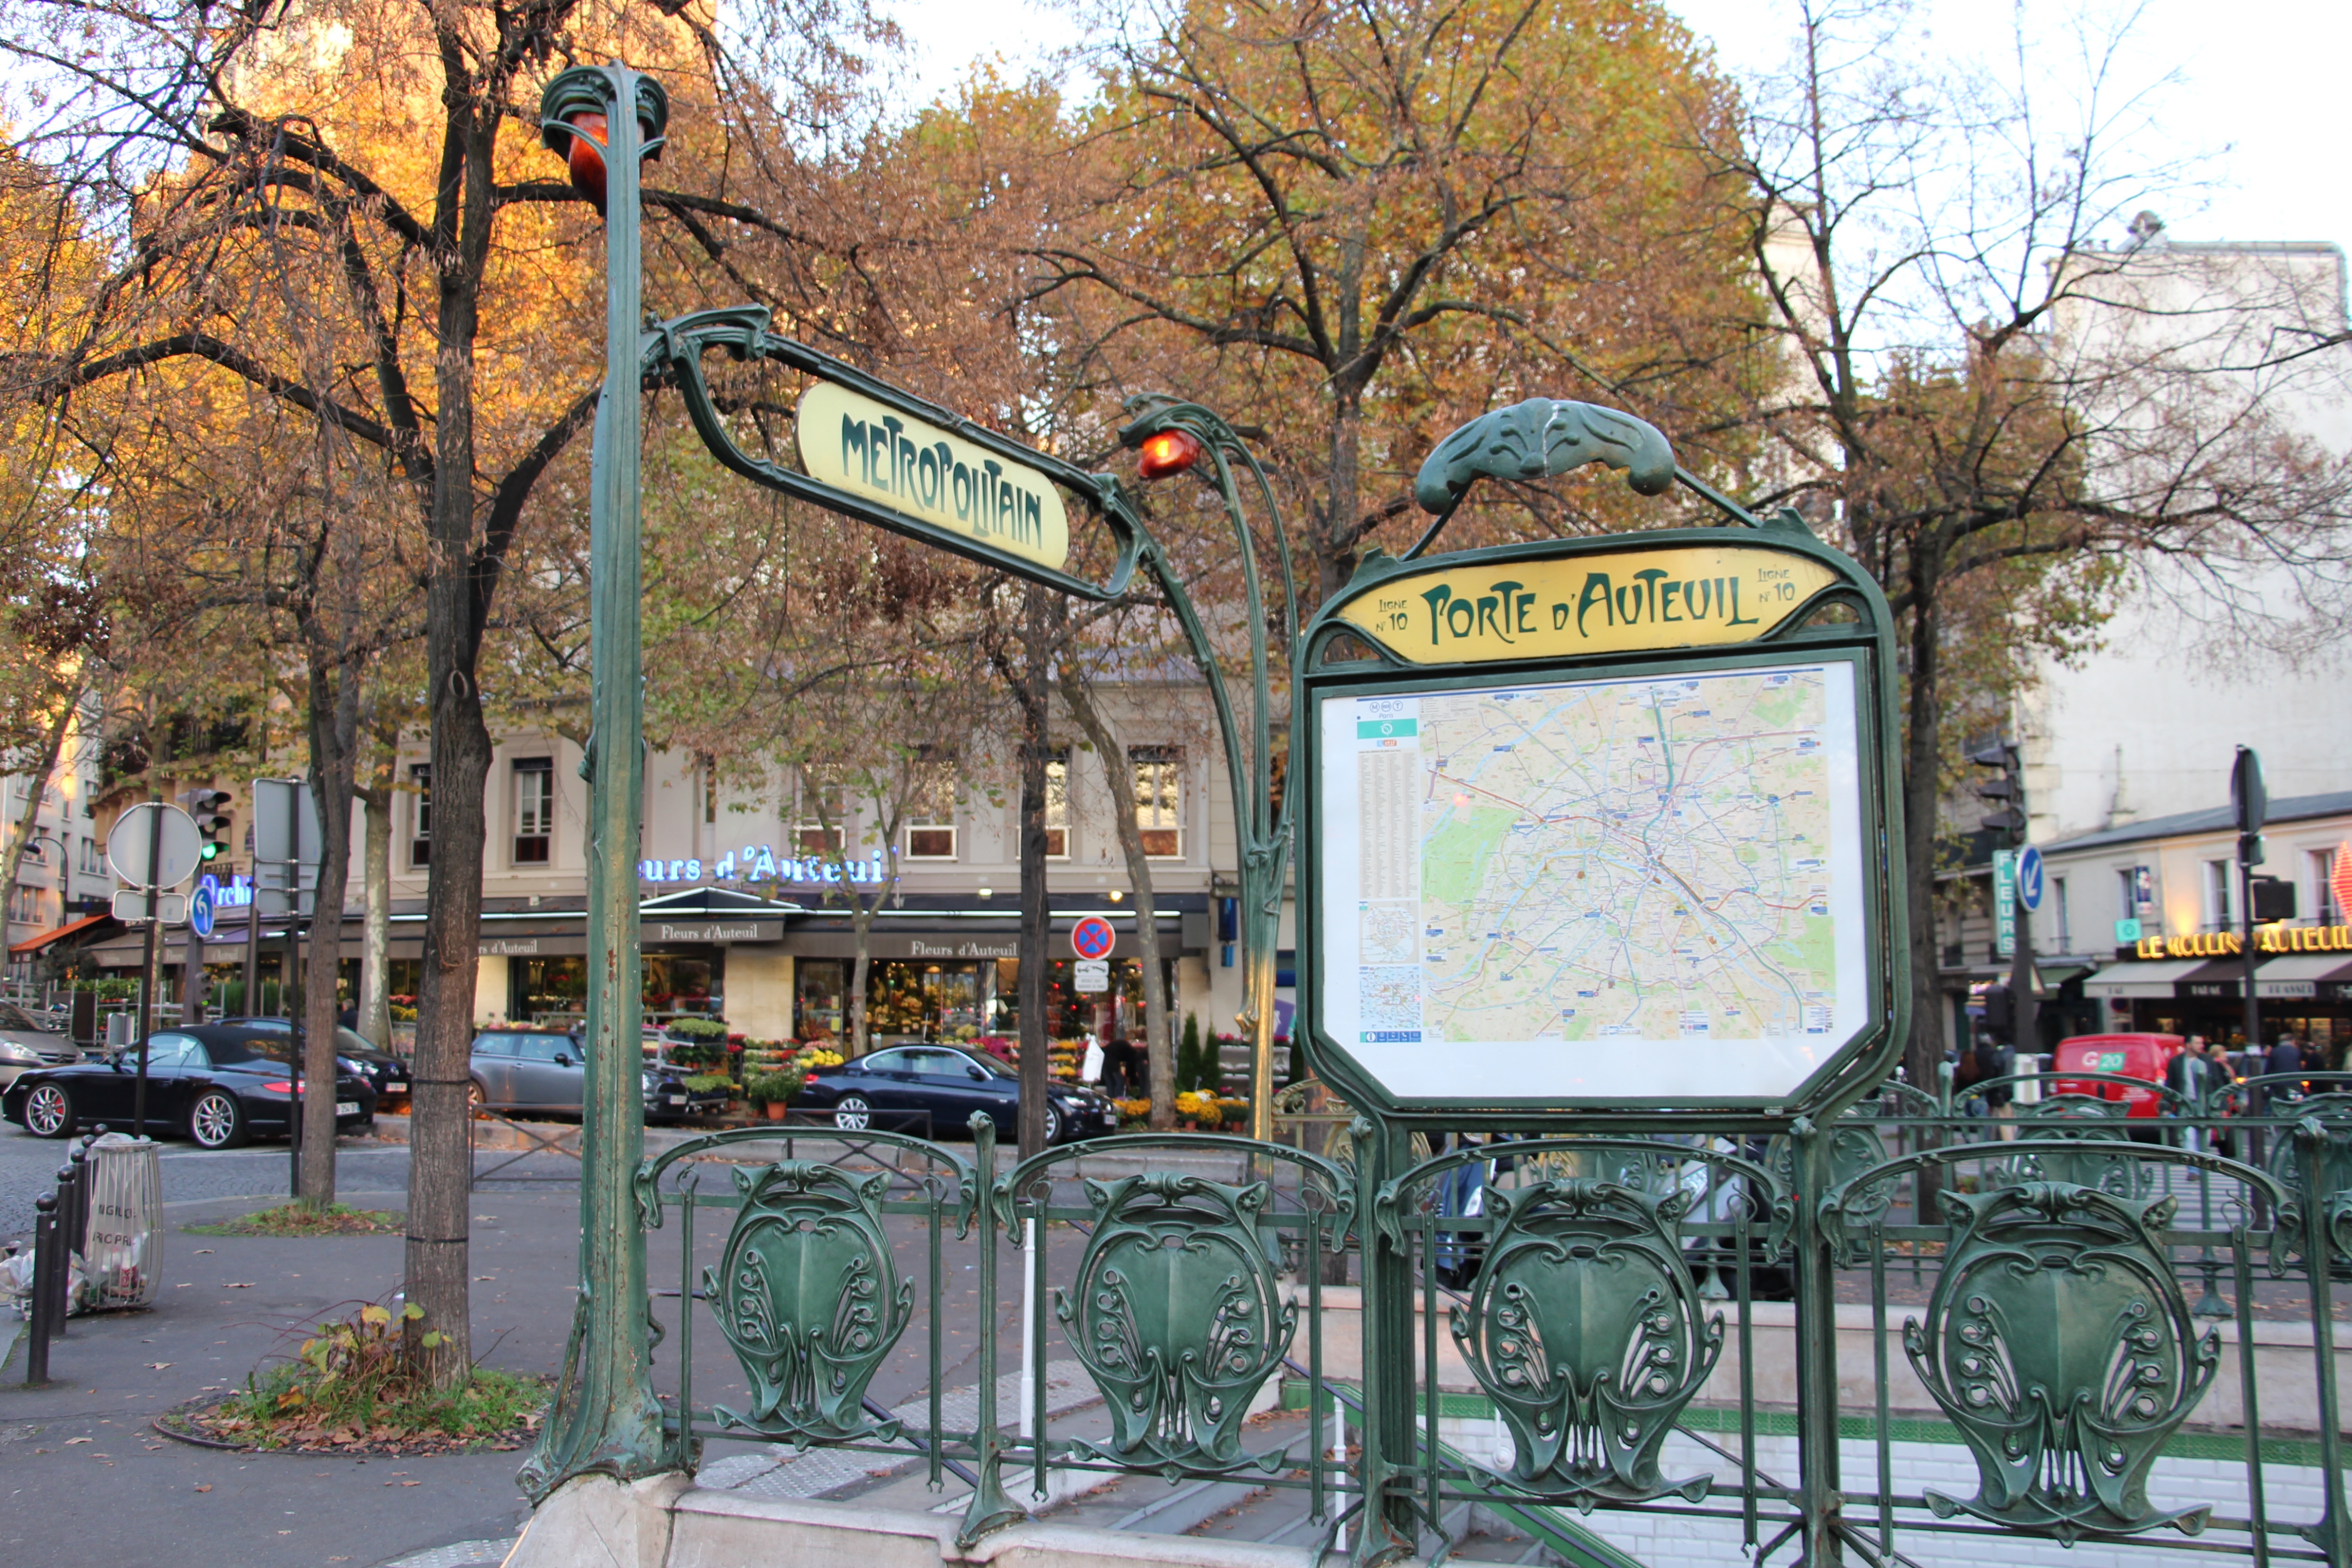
[893, 1088]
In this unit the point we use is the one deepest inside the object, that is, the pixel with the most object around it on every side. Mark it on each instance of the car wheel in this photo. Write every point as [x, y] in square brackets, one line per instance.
[1052, 1126]
[217, 1121]
[853, 1113]
[48, 1112]
[478, 1098]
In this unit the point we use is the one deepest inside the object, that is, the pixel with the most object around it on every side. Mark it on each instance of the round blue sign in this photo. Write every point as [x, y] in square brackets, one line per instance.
[200, 908]
[2029, 877]
[1093, 938]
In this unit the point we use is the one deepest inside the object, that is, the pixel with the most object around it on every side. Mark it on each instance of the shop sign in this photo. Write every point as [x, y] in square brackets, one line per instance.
[2004, 903]
[1090, 975]
[758, 863]
[843, 944]
[712, 930]
[531, 946]
[2273, 938]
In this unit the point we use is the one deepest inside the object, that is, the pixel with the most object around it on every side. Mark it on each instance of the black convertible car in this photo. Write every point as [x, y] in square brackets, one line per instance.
[930, 1091]
[219, 1083]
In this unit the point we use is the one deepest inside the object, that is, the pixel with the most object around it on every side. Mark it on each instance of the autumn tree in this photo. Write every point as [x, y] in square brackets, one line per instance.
[1974, 392]
[389, 146]
[1351, 228]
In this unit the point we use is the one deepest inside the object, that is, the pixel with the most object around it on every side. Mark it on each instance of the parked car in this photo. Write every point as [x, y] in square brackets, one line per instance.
[386, 1074]
[2132, 1056]
[891, 1089]
[545, 1071]
[221, 1084]
[21, 1050]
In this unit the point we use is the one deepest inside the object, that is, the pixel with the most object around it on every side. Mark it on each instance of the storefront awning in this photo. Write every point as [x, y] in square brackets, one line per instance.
[2300, 975]
[35, 944]
[2151, 979]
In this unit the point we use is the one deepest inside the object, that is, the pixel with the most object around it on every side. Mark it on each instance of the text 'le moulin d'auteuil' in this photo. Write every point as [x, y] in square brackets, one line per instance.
[1651, 598]
[882, 457]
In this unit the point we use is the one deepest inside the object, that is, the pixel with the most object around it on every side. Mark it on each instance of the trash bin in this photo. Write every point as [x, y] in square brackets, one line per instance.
[122, 1249]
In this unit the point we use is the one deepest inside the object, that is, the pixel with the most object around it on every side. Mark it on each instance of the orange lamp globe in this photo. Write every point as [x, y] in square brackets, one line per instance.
[587, 158]
[1170, 452]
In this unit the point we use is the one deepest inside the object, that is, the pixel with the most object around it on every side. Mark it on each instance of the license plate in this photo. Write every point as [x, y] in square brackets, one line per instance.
[677, 1099]
[347, 1107]
[395, 1086]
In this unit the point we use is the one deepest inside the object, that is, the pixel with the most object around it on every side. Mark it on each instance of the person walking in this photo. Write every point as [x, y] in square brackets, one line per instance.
[2190, 1075]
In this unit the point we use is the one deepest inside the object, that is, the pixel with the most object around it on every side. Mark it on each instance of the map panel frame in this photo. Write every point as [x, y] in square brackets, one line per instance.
[1861, 647]
[1384, 998]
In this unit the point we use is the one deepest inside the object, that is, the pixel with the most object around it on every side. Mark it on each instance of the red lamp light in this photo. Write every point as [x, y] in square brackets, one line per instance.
[586, 158]
[1170, 452]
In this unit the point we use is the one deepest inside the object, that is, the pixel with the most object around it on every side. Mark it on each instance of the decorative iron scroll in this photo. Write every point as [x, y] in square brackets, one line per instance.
[1543, 436]
[2060, 1345]
[2107, 1159]
[808, 1296]
[1177, 1316]
[1584, 1328]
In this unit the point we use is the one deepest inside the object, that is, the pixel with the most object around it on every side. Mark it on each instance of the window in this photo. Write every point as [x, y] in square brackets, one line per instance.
[534, 809]
[2135, 892]
[2324, 907]
[931, 806]
[420, 838]
[2217, 896]
[820, 803]
[2058, 915]
[1158, 799]
[91, 863]
[25, 904]
[1057, 806]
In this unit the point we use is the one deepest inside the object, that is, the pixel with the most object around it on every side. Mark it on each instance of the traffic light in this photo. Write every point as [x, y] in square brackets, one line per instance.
[2004, 789]
[210, 808]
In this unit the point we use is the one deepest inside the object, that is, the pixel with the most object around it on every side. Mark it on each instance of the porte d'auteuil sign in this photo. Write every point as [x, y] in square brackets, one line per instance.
[1692, 596]
[851, 441]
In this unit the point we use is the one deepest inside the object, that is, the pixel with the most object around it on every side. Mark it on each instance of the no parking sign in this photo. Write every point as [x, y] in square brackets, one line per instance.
[1092, 938]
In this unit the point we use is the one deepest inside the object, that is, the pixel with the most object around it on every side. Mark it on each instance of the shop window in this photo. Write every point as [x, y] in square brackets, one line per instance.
[932, 807]
[1158, 782]
[819, 989]
[2217, 896]
[929, 1001]
[817, 829]
[420, 836]
[676, 983]
[534, 809]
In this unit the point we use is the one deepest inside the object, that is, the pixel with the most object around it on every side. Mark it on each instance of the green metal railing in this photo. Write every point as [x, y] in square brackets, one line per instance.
[1610, 1308]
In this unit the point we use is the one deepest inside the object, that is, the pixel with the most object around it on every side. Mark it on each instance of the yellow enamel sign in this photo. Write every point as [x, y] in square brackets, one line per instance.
[851, 441]
[1695, 596]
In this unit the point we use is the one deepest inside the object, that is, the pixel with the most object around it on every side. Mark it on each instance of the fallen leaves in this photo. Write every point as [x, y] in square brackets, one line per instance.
[160, 1365]
[71, 1441]
[206, 1487]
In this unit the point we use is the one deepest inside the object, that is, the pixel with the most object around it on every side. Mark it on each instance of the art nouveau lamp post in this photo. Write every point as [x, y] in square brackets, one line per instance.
[606, 1418]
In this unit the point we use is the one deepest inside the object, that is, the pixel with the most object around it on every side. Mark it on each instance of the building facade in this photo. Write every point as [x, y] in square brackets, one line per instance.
[62, 881]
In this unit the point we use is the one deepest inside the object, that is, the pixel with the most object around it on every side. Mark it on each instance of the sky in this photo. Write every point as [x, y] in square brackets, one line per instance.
[2256, 100]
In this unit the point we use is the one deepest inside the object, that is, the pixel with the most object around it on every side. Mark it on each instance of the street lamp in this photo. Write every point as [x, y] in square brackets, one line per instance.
[606, 120]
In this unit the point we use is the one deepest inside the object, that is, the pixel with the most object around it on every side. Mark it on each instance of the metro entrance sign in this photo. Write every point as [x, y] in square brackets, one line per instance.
[1602, 824]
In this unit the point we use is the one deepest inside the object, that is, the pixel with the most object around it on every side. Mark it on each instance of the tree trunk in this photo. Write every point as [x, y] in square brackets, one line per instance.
[334, 738]
[20, 832]
[1032, 693]
[375, 943]
[1335, 551]
[1159, 1027]
[1923, 1053]
[440, 1163]
[861, 965]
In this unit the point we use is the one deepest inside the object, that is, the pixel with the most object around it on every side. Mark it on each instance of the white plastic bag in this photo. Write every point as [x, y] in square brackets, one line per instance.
[1090, 1068]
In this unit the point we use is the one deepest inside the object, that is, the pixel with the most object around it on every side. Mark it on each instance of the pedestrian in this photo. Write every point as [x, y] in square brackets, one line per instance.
[2189, 1074]
[2286, 1057]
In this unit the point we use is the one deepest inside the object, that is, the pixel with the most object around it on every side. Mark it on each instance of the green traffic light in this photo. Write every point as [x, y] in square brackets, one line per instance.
[211, 852]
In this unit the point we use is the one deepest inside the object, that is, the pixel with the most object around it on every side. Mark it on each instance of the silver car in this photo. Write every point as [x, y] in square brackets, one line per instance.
[24, 1046]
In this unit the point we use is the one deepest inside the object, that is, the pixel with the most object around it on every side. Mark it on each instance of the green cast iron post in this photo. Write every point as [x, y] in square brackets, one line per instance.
[606, 1418]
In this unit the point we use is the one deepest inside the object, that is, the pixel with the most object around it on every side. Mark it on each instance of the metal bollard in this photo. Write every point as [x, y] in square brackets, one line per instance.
[294, 1145]
[61, 1246]
[76, 1223]
[36, 1345]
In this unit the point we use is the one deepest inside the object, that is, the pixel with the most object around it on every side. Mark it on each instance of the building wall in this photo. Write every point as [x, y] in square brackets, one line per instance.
[2147, 723]
[65, 864]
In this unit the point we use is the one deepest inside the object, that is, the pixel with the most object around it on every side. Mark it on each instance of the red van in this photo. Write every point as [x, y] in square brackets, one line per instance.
[2132, 1056]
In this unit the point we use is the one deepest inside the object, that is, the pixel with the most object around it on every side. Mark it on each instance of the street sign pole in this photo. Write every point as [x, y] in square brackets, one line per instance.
[2250, 802]
[147, 960]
